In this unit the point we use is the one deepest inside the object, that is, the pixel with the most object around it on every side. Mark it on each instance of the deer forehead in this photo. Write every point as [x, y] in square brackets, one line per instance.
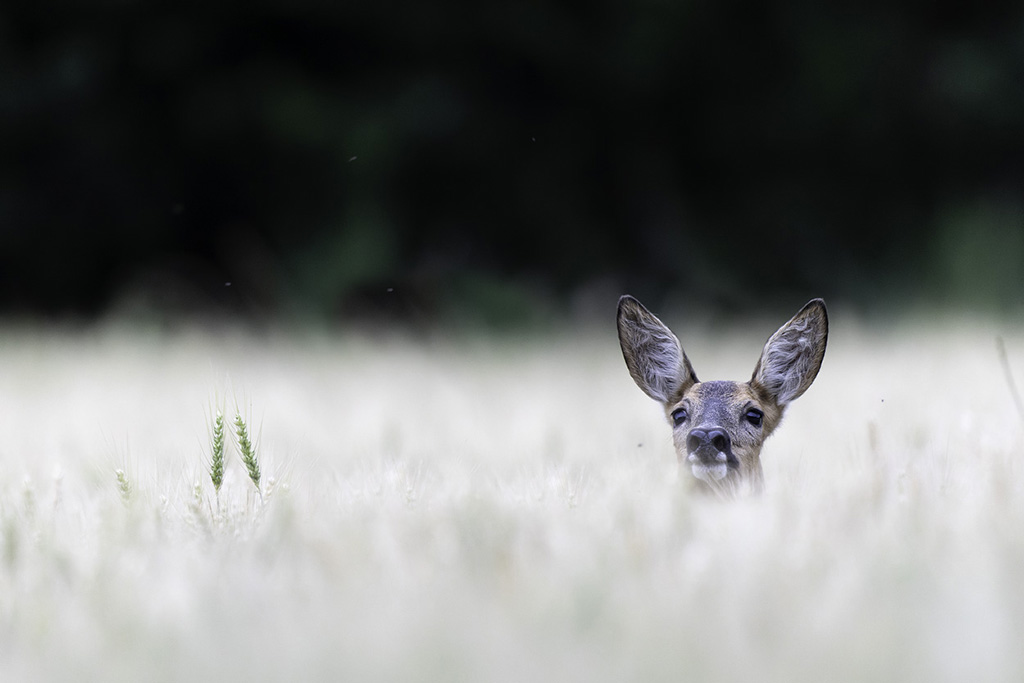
[718, 402]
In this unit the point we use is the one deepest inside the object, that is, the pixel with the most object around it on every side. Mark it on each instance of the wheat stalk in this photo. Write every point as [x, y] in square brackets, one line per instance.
[124, 486]
[1008, 374]
[217, 458]
[248, 452]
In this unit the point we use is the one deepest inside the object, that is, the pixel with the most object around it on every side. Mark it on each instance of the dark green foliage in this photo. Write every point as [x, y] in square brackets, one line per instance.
[373, 158]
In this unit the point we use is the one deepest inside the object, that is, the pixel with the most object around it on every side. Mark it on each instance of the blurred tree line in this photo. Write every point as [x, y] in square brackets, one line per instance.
[430, 159]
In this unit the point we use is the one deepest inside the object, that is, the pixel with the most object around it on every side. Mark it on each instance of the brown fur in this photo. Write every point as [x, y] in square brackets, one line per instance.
[727, 410]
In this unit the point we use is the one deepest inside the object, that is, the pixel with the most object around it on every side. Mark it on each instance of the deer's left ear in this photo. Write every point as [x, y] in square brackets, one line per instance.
[792, 356]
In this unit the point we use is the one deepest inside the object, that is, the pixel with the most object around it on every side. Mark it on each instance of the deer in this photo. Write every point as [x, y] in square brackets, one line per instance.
[718, 427]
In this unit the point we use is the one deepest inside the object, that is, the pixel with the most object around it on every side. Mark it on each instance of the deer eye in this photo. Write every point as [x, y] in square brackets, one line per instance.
[754, 416]
[679, 416]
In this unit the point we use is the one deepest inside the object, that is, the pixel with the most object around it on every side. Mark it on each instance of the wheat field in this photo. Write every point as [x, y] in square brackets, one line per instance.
[503, 509]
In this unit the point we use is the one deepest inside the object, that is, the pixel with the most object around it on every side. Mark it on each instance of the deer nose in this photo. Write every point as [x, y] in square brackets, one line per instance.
[705, 439]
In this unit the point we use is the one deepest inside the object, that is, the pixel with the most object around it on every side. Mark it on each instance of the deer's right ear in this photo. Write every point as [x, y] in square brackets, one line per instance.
[653, 355]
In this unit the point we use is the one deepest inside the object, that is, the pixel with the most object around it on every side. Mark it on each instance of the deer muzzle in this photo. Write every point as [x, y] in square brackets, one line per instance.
[710, 453]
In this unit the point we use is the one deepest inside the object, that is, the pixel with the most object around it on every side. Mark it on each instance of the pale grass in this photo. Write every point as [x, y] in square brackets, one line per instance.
[504, 511]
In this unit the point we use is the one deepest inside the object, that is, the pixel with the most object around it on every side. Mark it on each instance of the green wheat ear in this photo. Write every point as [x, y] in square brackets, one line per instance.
[217, 461]
[248, 452]
[124, 486]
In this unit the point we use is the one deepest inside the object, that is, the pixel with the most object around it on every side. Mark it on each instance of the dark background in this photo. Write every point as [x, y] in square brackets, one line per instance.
[507, 162]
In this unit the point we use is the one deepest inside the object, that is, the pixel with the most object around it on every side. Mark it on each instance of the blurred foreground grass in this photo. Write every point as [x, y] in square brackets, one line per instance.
[503, 510]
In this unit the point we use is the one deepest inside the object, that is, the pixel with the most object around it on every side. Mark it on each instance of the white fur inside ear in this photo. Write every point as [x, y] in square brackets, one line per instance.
[789, 361]
[653, 354]
[660, 362]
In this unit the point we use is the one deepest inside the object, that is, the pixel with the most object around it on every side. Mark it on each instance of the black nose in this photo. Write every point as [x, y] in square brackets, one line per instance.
[714, 438]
